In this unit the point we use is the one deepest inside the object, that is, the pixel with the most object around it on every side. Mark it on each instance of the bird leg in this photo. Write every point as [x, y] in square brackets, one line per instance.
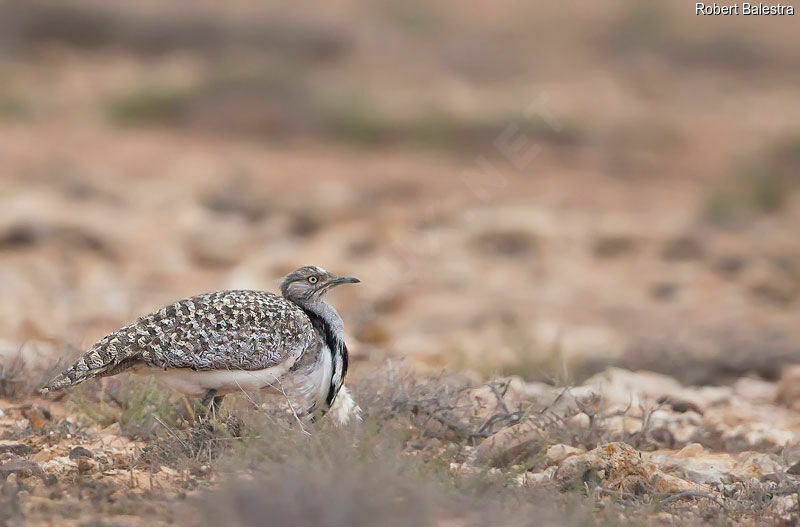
[211, 402]
[216, 404]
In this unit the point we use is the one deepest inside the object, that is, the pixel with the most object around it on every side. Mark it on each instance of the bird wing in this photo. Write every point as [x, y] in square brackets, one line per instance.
[235, 330]
[226, 330]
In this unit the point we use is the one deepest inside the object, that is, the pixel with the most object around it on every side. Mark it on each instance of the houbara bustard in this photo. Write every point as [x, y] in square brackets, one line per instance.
[219, 343]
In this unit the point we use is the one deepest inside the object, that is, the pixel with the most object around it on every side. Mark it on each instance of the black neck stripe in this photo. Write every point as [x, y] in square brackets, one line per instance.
[337, 349]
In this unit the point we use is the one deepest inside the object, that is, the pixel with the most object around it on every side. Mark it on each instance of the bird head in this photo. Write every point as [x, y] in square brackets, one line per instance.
[310, 283]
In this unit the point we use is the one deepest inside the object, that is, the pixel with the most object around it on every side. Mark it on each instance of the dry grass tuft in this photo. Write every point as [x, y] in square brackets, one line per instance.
[140, 405]
[403, 465]
[13, 382]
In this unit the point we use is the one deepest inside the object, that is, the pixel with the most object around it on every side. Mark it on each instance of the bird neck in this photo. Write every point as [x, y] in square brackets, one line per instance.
[325, 313]
[329, 325]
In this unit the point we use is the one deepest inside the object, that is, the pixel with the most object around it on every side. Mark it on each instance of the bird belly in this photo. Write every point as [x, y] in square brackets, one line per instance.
[195, 383]
[311, 384]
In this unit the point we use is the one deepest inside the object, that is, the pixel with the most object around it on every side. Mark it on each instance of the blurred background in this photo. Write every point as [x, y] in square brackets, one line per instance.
[540, 189]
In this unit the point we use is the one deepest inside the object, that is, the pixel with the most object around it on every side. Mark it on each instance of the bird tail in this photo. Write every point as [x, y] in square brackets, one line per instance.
[60, 382]
[75, 374]
[112, 354]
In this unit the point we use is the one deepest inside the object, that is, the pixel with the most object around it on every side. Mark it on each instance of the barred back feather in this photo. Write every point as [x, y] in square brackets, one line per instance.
[226, 330]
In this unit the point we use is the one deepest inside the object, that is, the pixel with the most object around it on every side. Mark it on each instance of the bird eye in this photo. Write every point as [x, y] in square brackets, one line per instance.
[313, 279]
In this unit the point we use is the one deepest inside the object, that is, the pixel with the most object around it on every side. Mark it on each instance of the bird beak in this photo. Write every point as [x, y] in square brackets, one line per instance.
[346, 280]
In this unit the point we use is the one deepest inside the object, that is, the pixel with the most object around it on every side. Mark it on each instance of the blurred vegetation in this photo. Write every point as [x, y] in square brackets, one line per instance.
[141, 406]
[649, 29]
[642, 26]
[13, 379]
[760, 184]
[150, 104]
[279, 104]
[26, 25]
[13, 108]
[417, 17]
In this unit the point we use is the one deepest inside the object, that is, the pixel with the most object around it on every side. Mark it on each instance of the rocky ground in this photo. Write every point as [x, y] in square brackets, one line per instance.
[585, 263]
[633, 446]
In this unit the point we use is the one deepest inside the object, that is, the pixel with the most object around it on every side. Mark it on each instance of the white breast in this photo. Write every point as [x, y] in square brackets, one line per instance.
[305, 386]
[197, 383]
[313, 384]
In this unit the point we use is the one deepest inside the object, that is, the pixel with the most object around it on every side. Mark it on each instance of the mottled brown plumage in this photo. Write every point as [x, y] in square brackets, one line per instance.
[227, 341]
[226, 330]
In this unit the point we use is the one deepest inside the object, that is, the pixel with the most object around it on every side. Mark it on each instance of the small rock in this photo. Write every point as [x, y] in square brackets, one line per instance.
[120, 460]
[757, 436]
[786, 508]
[558, 453]
[580, 420]
[60, 466]
[43, 455]
[21, 235]
[668, 484]
[37, 416]
[80, 452]
[530, 479]
[664, 291]
[510, 445]
[760, 465]
[174, 473]
[625, 388]
[678, 405]
[618, 425]
[513, 243]
[18, 449]
[111, 433]
[691, 450]
[683, 248]
[788, 390]
[730, 265]
[794, 470]
[780, 293]
[612, 246]
[755, 390]
[694, 464]
[705, 470]
[86, 465]
[617, 466]
[23, 468]
[539, 392]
